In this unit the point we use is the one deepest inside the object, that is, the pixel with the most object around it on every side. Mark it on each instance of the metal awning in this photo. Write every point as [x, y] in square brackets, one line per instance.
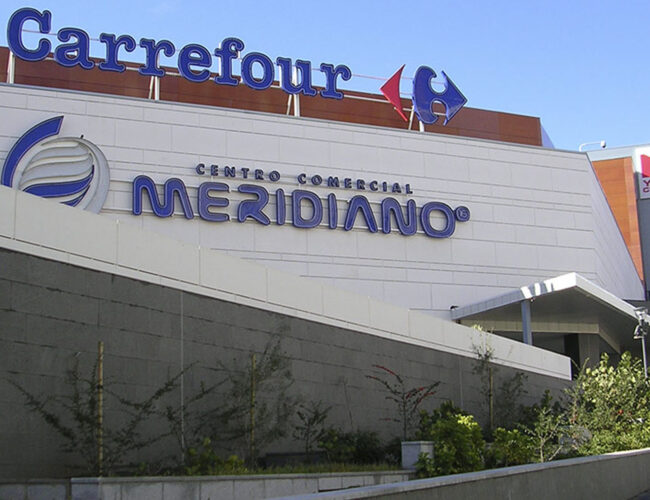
[565, 304]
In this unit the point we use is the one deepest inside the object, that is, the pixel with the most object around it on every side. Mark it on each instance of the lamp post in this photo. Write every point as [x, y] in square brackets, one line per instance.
[602, 145]
[641, 331]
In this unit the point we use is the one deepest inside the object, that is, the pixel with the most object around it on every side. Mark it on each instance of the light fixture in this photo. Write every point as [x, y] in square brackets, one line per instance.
[602, 145]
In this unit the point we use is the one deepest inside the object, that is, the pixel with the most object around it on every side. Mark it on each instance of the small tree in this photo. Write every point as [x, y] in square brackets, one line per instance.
[186, 422]
[257, 407]
[485, 369]
[408, 401]
[501, 406]
[311, 427]
[74, 417]
[546, 434]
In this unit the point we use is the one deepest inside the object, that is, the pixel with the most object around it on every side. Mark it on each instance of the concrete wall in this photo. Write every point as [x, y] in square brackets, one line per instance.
[622, 475]
[53, 314]
[69, 279]
[194, 488]
[536, 213]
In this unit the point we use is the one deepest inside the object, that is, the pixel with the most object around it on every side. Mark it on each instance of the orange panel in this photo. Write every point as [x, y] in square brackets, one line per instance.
[617, 180]
[468, 122]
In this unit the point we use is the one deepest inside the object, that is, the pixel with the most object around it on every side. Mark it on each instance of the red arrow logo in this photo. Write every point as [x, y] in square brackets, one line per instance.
[645, 166]
[390, 89]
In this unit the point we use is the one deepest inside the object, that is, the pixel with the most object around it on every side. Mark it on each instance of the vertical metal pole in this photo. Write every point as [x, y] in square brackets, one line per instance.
[289, 103]
[296, 97]
[11, 67]
[525, 322]
[645, 361]
[100, 408]
[421, 127]
[156, 88]
[182, 383]
[252, 415]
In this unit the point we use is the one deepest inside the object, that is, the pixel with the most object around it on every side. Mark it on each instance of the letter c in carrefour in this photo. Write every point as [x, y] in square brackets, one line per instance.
[15, 28]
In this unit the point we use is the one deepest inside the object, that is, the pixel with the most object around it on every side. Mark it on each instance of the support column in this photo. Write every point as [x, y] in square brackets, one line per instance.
[525, 322]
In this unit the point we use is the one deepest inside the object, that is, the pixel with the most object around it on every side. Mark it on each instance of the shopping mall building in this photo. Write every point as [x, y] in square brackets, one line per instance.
[186, 223]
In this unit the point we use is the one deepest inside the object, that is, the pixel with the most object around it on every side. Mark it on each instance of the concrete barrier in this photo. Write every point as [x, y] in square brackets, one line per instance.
[195, 487]
[621, 475]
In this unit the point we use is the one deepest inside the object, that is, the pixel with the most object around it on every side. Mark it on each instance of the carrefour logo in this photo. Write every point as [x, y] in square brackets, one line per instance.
[71, 170]
[194, 63]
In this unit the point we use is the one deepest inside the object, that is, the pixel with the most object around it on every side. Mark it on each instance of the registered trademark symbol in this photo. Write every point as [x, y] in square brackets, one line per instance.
[462, 214]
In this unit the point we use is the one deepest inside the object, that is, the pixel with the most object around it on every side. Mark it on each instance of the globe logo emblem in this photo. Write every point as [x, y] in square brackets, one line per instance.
[71, 170]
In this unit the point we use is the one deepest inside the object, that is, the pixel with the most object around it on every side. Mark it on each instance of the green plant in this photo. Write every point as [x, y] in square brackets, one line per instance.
[407, 400]
[609, 407]
[204, 461]
[312, 418]
[484, 368]
[257, 407]
[186, 422]
[457, 439]
[425, 466]
[510, 447]
[360, 447]
[546, 434]
[103, 446]
[508, 410]
[501, 406]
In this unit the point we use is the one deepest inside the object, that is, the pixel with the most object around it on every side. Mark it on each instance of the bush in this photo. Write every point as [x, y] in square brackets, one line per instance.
[360, 447]
[203, 461]
[510, 447]
[613, 405]
[458, 441]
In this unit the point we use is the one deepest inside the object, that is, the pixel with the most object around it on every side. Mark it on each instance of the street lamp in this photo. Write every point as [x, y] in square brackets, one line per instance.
[641, 331]
[602, 145]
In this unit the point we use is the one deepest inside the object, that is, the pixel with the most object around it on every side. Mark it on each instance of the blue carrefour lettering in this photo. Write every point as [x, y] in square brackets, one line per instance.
[286, 83]
[194, 55]
[76, 53]
[257, 70]
[265, 81]
[112, 47]
[15, 29]
[152, 49]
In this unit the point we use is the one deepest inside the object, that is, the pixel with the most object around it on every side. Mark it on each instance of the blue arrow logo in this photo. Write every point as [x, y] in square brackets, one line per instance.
[424, 96]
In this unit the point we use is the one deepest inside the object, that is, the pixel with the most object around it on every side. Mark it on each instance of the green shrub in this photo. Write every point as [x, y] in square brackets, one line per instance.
[510, 447]
[359, 447]
[613, 405]
[425, 466]
[458, 444]
[203, 461]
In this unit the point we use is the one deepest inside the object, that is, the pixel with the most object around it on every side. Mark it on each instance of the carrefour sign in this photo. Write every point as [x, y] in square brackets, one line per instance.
[75, 172]
[194, 63]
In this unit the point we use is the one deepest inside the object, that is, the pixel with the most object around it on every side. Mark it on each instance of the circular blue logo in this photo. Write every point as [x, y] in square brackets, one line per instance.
[71, 170]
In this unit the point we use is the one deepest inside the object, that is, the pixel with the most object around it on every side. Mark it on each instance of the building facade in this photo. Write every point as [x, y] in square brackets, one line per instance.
[225, 223]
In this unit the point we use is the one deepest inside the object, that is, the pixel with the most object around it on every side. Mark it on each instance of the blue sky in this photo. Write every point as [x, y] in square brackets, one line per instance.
[583, 67]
